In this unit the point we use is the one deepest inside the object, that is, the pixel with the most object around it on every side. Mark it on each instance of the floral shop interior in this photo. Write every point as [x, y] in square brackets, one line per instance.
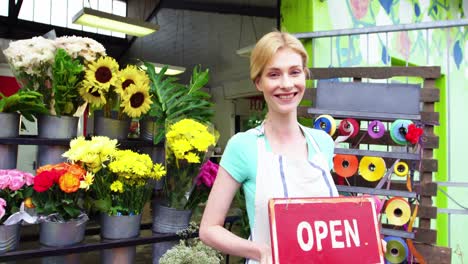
[114, 116]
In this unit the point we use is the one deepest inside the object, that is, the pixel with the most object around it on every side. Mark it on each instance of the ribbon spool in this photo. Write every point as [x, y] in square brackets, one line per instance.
[376, 129]
[326, 123]
[348, 127]
[345, 165]
[397, 250]
[372, 168]
[401, 169]
[398, 211]
[398, 131]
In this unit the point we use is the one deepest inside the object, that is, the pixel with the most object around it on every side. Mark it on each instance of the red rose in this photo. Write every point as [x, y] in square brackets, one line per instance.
[43, 181]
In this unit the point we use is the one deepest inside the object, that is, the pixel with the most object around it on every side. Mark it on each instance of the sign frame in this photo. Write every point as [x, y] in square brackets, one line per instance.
[276, 207]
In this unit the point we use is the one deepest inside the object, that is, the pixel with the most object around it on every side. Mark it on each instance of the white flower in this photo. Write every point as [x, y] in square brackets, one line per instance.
[87, 48]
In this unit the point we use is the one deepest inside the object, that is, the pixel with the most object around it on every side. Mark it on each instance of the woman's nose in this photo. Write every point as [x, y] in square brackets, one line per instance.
[286, 82]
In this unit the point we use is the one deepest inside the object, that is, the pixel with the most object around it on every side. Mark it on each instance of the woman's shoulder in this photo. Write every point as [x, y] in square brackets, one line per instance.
[246, 137]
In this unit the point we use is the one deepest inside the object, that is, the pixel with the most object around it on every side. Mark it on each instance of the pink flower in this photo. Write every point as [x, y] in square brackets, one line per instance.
[207, 174]
[2, 207]
[4, 179]
[16, 180]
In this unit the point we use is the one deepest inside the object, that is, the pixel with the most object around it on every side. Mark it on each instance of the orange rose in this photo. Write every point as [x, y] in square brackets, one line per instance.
[28, 203]
[69, 182]
[77, 170]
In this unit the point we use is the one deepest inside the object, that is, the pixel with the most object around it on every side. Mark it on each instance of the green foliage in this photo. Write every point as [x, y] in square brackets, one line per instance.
[67, 73]
[54, 201]
[173, 101]
[27, 103]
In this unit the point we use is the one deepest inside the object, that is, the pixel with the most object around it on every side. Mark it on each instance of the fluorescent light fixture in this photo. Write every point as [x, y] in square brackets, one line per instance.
[245, 51]
[171, 70]
[98, 19]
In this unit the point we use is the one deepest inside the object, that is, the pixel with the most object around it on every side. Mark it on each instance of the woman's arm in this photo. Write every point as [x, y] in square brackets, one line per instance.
[212, 231]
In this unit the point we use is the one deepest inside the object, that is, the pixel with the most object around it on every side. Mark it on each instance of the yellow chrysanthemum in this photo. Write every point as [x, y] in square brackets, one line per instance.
[158, 171]
[192, 158]
[131, 75]
[117, 186]
[91, 94]
[103, 72]
[136, 100]
[87, 181]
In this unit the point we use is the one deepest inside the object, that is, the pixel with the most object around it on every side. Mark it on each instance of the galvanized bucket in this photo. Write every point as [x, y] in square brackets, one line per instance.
[57, 127]
[170, 220]
[112, 128]
[9, 124]
[9, 237]
[160, 248]
[50, 154]
[62, 234]
[147, 129]
[118, 227]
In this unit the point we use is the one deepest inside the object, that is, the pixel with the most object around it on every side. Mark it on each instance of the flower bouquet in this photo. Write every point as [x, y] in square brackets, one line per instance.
[15, 188]
[187, 143]
[15, 192]
[122, 177]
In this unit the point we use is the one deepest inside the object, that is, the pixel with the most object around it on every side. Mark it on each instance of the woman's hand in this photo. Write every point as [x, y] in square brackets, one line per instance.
[265, 255]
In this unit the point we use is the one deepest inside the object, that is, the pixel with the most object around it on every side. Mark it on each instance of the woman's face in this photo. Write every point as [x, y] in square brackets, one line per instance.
[283, 81]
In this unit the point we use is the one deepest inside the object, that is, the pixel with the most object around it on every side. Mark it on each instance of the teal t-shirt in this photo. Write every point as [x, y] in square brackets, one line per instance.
[240, 159]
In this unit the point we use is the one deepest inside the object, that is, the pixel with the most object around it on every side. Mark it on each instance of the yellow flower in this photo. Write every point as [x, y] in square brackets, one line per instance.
[103, 72]
[92, 94]
[28, 203]
[136, 100]
[87, 181]
[131, 75]
[192, 158]
[117, 186]
[158, 171]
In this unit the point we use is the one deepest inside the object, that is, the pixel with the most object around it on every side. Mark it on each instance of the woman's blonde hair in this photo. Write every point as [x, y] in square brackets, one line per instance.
[268, 45]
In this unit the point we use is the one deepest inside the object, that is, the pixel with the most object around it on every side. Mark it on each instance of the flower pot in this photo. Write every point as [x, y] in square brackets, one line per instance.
[9, 122]
[112, 128]
[147, 129]
[57, 127]
[170, 220]
[50, 154]
[119, 227]
[62, 234]
[9, 237]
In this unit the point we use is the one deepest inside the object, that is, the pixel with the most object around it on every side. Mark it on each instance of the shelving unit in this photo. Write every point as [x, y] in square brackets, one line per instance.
[370, 100]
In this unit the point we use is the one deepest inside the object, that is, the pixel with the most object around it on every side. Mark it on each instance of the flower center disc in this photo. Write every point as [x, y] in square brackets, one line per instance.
[137, 100]
[103, 74]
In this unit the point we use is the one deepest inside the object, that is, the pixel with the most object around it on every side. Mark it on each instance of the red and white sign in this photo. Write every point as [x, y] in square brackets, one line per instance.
[325, 230]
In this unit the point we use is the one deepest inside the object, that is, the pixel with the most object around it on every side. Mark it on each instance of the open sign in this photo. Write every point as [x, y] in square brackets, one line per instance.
[325, 230]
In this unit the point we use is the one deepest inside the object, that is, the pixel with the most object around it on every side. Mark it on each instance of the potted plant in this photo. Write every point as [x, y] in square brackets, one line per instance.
[172, 101]
[15, 189]
[58, 197]
[187, 143]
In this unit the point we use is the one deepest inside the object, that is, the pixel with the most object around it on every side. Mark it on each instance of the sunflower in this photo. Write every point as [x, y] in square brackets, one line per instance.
[136, 100]
[93, 95]
[130, 75]
[103, 72]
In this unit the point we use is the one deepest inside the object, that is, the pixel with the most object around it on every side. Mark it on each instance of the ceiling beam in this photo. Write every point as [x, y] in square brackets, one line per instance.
[235, 9]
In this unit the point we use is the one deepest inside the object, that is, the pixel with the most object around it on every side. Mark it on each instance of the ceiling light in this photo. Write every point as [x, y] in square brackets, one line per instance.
[98, 19]
[171, 70]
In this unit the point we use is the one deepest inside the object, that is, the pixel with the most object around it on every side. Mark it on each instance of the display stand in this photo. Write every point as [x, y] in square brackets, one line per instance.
[363, 99]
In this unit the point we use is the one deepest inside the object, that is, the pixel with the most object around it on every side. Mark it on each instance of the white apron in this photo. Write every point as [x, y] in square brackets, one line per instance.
[280, 177]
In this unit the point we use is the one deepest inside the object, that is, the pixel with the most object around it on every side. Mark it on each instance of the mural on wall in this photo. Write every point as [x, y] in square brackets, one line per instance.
[411, 47]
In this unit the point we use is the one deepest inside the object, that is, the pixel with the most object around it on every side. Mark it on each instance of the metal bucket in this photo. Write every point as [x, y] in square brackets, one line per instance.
[9, 237]
[117, 227]
[170, 220]
[160, 248]
[9, 124]
[57, 127]
[147, 129]
[112, 128]
[9, 156]
[56, 234]
[50, 154]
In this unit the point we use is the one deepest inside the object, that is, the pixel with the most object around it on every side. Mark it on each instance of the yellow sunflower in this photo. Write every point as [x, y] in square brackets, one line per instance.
[136, 100]
[91, 94]
[130, 75]
[103, 72]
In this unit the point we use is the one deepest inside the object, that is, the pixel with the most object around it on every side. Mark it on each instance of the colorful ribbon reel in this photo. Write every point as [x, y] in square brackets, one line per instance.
[348, 127]
[398, 131]
[397, 250]
[345, 165]
[398, 211]
[376, 129]
[326, 123]
[372, 168]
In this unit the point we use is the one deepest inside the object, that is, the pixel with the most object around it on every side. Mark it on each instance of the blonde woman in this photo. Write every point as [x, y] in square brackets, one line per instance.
[280, 158]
